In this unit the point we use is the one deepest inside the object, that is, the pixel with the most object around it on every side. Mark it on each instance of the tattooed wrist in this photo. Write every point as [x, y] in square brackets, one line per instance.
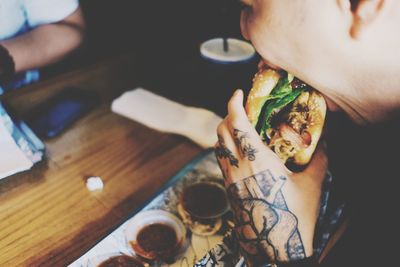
[265, 227]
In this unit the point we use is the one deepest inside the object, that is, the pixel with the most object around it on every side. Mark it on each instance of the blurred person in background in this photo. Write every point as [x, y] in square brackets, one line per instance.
[33, 34]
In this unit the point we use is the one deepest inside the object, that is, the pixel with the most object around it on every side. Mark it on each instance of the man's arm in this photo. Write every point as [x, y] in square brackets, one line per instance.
[47, 43]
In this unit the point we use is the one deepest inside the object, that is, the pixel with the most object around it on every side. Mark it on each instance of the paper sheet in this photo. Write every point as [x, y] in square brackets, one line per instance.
[12, 159]
[162, 114]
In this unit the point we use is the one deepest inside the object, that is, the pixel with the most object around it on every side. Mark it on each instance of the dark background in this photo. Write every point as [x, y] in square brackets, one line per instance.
[166, 35]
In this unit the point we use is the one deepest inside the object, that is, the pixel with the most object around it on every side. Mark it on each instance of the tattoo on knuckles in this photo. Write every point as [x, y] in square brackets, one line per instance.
[242, 142]
[222, 152]
[265, 227]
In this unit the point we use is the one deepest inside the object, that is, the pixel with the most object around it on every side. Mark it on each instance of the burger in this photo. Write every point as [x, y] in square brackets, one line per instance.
[288, 114]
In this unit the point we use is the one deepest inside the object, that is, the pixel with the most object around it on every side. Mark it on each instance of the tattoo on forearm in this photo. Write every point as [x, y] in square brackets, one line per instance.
[222, 152]
[242, 142]
[264, 225]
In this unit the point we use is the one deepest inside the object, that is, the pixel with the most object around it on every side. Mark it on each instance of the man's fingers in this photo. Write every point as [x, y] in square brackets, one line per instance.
[226, 150]
[245, 136]
[240, 150]
[238, 120]
[235, 106]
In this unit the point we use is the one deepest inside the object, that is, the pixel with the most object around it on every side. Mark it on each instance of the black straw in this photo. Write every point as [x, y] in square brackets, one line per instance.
[224, 11]
[226, 44]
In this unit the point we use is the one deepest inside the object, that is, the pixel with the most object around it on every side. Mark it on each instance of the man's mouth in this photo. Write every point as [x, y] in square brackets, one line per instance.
[265, 64]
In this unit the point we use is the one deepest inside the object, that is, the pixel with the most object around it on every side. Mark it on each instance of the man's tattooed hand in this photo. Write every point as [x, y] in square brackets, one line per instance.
[264, 225]
[261, 190]
[242, 142]
[222, 152]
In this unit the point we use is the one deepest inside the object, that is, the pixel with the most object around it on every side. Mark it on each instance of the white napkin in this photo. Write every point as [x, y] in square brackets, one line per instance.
[157, 112]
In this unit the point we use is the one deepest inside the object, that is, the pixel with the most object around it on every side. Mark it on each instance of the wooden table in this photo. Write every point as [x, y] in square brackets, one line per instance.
[47, 215]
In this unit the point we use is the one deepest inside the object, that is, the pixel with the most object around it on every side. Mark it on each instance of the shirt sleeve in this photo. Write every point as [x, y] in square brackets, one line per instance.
[40, 12]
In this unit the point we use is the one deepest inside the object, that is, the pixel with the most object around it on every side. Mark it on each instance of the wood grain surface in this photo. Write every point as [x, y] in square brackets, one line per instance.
[47, 215]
